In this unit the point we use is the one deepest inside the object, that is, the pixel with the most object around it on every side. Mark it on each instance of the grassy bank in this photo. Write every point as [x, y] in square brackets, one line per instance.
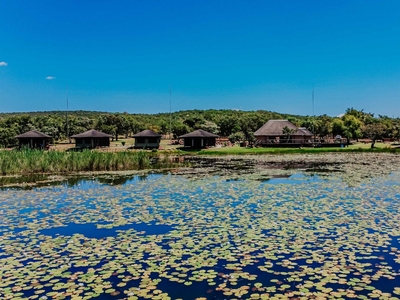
[236, 150]
[35, 161]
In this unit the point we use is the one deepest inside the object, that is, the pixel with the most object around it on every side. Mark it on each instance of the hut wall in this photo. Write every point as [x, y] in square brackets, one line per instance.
[301, 139]
[199, 142]
[210, 142]
[151, 143]
[92, 142]
[33, 143]
[83, 143]
[102, 142]
[187, 142]
[266, 139]
[261, 139]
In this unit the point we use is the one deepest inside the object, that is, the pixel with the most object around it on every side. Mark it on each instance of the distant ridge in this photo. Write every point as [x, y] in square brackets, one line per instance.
[83, 113]
[52, 112]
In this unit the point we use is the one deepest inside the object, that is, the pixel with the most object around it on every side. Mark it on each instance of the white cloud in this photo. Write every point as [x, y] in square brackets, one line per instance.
[50, 77]
[3, 64]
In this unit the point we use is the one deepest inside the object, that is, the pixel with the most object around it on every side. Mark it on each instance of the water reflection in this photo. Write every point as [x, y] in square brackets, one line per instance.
[226, 234]
[33, 181]
[10, 180]
[212, 165]
[90, 230]
[298, 178]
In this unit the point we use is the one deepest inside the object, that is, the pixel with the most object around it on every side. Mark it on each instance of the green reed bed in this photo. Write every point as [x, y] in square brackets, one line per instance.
[36, 161]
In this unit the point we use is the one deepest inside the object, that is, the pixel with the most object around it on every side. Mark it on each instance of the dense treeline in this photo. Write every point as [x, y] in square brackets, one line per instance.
[237, 125]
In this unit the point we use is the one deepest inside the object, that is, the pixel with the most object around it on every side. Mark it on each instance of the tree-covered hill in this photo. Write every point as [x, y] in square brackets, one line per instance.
[60, 113]
[235, 124]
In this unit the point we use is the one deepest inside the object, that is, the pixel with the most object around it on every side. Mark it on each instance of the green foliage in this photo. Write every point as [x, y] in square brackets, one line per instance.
[7, 136]
[352, 126]
[193, 121]
[179, 129]
[287, 131]
[209, 126]
[35, 161]
[228, 125]
[338, 127]
[237, 137]
[221, 122]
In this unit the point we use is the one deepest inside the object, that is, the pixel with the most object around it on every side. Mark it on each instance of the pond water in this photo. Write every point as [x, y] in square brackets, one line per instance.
[163, 236]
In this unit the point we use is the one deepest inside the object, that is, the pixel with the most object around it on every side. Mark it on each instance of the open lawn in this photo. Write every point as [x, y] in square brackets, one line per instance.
[116, 146]
[379, 147]
[124, 144]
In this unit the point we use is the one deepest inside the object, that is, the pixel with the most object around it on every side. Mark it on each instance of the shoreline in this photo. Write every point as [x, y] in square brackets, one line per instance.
[351, 166]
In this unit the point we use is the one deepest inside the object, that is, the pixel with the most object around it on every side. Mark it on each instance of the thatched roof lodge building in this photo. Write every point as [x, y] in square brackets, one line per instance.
[282, 133]
[147, 139]
[34, 139]
[199, 139]
[92, 139]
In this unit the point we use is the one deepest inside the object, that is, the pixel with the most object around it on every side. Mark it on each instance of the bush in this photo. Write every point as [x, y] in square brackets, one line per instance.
[236, 137]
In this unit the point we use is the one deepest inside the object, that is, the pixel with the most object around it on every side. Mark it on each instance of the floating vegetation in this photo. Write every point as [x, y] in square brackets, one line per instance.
[301, 236]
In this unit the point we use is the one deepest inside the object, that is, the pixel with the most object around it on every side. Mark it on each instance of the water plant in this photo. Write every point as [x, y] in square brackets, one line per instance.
[212, 238]
[28, 161]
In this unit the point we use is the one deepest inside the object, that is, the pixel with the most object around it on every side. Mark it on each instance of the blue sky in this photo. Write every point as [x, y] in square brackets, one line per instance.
[124, 55]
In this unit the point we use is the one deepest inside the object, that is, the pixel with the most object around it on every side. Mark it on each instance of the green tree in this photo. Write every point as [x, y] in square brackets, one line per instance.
[352, 127]
[338, 127]
[22, 123]
[228, 125]
[193, 121]
[179, 129]
[236, 137]
[296, 121]
[135, 125]
[111, 124]
[323, 126]
[373, 131]
[209, 126]
[249, 124]
[7, 136]
[51, 125]
[287, 132]
[78, 124]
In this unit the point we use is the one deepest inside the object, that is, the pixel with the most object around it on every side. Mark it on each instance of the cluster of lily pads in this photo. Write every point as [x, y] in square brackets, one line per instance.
[304, 237]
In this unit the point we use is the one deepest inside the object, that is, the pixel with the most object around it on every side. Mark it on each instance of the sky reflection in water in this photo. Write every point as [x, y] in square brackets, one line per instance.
[171, 236]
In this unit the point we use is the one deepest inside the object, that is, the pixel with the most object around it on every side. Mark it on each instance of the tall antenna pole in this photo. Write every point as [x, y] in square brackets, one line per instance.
[313, 115]
[69, 141]
[313, 102]
[170, 113]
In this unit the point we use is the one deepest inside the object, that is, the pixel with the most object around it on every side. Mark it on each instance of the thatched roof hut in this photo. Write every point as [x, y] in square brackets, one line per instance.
[305, 131]
[199, 139]
[282, 132]
[92, 139]
[34, 139]
[274, 127]
[147, 139]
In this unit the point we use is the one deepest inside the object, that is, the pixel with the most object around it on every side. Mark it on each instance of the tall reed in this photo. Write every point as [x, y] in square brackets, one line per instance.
[35, 161]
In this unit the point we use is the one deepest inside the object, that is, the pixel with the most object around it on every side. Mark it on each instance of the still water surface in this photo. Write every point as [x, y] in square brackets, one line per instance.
[159, 236]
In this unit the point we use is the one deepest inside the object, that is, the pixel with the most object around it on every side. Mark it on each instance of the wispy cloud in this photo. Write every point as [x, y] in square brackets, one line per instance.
[3, 64]
[50, 77]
